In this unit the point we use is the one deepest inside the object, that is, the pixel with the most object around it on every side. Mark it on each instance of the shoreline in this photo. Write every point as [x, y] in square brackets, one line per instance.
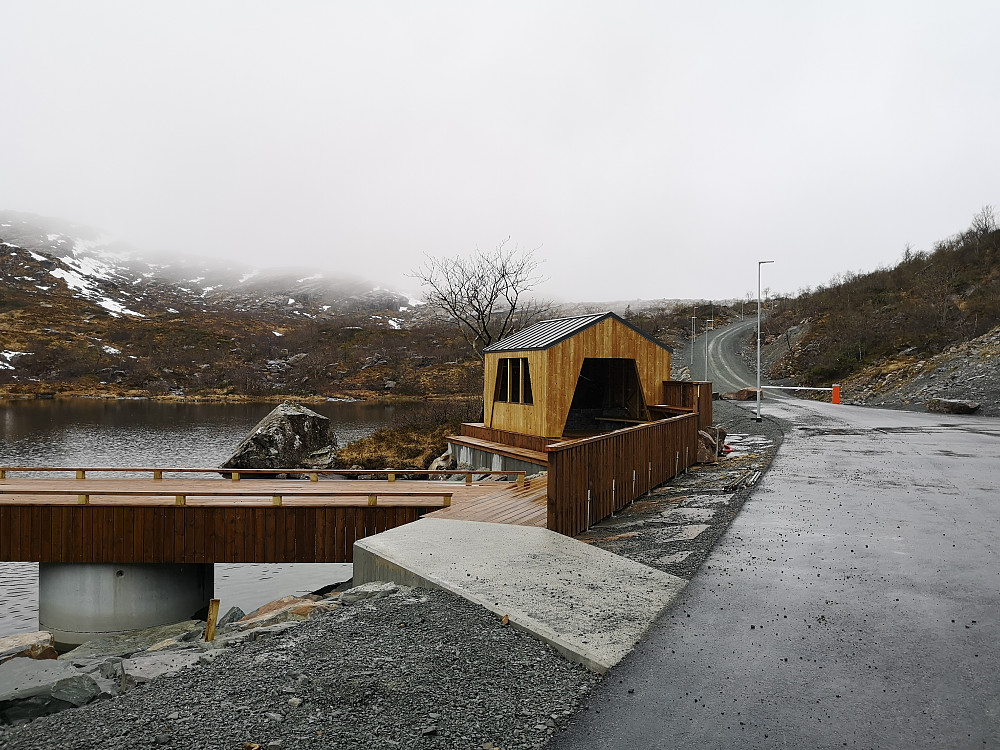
[350, 397]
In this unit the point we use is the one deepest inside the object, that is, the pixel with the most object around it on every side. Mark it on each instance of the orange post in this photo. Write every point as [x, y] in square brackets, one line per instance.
[836, 394]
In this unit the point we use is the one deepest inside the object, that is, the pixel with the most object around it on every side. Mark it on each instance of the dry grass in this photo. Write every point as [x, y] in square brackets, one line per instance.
[414, 443]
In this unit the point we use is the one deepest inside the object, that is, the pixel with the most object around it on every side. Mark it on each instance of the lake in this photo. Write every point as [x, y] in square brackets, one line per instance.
[91, 432]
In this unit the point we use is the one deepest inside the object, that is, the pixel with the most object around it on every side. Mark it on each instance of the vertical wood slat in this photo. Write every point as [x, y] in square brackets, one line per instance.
[603, 466]
[191, 533]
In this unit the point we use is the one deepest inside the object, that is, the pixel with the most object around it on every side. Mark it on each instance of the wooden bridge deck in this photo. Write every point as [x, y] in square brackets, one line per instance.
[218, 520]
[517, 506]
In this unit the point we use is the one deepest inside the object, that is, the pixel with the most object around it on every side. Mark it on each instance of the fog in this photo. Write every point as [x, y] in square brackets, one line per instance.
[641, 149]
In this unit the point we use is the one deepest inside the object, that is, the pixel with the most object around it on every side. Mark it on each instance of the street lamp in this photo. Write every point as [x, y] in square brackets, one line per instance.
[759, 264]
[694, 335]
[709, 325]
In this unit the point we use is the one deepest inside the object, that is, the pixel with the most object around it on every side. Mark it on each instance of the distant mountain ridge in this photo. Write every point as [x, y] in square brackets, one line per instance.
[39, 252]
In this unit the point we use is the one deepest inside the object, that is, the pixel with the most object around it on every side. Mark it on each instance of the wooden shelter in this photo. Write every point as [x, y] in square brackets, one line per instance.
[573, 376]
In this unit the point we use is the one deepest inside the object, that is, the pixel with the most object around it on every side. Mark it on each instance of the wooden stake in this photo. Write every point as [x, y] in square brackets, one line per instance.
[276, 500]
[213, 618]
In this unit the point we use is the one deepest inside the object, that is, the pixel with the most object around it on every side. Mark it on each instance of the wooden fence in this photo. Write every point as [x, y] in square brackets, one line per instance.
[687, 396]
[590, 479]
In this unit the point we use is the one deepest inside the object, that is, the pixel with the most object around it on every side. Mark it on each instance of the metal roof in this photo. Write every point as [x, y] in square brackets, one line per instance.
[548, 333]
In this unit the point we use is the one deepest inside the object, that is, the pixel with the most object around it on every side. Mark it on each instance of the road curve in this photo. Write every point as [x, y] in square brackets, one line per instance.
[852, 603]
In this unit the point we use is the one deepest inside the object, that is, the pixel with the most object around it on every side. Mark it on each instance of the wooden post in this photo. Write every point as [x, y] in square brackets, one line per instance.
[372, 500]
[180, 499]
[236, 476]
[213, 619]
[276, 500]
[447, 500]
[520, 478]
[392, 477]
[158, 475]
[83, 500]
[3, 473]
[468, 477]
[314, 477]
[81, 474]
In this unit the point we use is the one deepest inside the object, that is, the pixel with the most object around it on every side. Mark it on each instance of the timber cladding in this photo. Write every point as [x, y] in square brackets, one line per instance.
[590, 479]
[555, 370]
[191, 534]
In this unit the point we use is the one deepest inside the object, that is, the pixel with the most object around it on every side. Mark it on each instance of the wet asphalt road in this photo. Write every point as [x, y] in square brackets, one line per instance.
[853, 603]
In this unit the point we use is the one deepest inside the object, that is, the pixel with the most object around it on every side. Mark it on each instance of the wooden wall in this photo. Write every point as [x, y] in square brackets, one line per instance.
[590, 479]
[191, 534]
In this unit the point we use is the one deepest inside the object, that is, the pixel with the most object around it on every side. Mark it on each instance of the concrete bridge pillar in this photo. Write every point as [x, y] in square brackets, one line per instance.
[81, 601]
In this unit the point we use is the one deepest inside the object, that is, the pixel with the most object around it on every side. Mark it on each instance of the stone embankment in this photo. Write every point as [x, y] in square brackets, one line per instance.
[374, 666]
[967, 372]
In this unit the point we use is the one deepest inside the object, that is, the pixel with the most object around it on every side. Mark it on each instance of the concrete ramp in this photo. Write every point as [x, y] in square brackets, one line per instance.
[591, 605]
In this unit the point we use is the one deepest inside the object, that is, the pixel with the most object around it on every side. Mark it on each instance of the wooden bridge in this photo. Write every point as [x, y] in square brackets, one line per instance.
[189, 516]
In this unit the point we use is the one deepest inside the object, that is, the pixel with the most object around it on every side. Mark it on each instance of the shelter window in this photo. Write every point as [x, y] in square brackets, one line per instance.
[513, 381]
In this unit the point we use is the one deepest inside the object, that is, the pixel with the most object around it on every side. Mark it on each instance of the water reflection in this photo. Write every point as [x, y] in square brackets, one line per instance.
[89, 432]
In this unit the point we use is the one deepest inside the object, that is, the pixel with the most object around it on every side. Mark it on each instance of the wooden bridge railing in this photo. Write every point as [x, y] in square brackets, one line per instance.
[237, 474]
[590, 479]
[424, 499]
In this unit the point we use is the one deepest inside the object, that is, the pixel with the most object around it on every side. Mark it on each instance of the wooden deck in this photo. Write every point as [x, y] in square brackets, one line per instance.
[517, 506]
[123, 520]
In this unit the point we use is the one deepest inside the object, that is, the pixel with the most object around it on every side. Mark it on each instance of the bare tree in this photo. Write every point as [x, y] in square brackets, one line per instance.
[984, 222]
[486, 294]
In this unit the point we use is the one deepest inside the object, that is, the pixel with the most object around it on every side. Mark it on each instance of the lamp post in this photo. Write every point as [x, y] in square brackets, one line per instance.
[694, 335]
[759, 264]
[709, 325]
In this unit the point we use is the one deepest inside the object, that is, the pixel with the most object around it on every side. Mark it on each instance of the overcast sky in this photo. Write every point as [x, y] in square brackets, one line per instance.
[644, 150]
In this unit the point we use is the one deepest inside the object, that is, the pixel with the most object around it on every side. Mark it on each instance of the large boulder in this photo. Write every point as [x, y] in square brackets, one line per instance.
[133, 641]
[32, 645]
[30, 688]
[707, 448]
[290, 437]
[952, 406]
[286, 609]
[743, 394]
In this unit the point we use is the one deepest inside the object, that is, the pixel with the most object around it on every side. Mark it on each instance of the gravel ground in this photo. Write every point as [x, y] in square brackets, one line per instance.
[708, 494]
[412, 669]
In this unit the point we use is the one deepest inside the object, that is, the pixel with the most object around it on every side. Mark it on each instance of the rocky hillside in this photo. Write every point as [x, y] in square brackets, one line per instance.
[927, 328]
[81, 315]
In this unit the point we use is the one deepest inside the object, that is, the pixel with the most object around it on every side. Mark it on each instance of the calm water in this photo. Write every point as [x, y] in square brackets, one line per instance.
[143, 433]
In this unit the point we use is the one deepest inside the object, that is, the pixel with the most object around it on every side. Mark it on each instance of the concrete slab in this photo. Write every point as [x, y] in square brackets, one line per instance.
[590, 605]
[674, 559]
[688, 515]
[705, 501]
[681, 533]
